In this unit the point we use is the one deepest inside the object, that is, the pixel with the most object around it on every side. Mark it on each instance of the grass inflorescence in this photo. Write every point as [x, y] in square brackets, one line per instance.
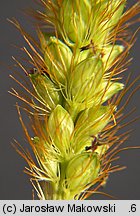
[73, 92]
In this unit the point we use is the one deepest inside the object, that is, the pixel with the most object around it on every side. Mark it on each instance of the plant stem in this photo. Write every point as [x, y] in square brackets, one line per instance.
[60, 192]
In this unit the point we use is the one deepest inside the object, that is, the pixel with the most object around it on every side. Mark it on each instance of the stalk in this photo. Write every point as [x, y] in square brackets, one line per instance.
[74, 104]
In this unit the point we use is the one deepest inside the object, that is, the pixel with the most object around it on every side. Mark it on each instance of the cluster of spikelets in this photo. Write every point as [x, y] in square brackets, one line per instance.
[77, 87]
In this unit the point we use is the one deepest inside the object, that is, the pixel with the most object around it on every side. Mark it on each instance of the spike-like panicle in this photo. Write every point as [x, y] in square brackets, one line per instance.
[75, 95]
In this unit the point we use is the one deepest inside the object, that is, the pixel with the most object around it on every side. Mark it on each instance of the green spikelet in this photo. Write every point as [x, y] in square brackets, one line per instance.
[76, 95]
[46, 90]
